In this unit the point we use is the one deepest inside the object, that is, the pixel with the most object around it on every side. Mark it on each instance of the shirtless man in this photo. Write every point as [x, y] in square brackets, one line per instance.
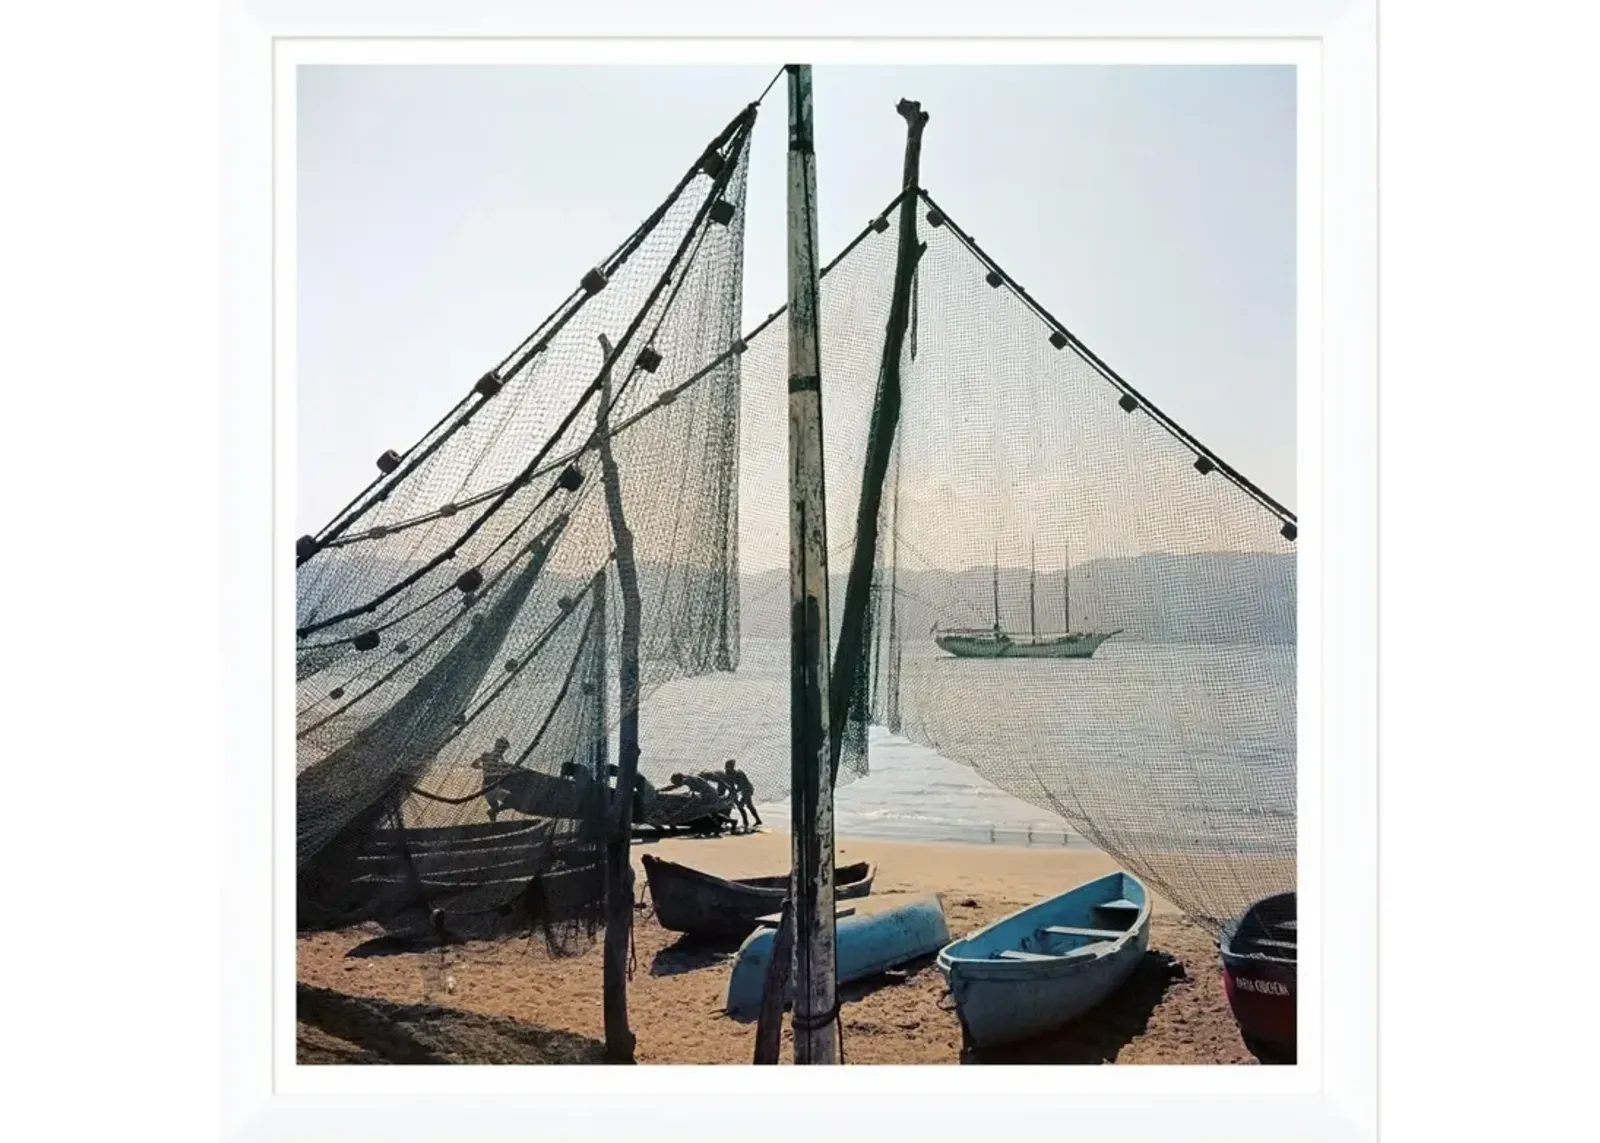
[695, 784]
[743, 793]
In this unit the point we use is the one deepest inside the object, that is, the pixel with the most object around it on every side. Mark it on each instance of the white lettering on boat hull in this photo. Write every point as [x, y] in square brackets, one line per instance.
[1265, 987]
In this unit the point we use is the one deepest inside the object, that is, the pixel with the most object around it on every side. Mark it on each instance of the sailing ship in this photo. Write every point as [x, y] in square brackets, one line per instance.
[998, 643]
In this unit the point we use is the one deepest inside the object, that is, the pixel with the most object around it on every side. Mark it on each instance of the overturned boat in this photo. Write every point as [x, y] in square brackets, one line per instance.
[866, 943]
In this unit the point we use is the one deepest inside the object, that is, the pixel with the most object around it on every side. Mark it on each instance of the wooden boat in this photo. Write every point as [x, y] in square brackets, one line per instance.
[689, 901]
[1042, 968]
[998, 643]
[668, 811]
[866, 943]
[685, 810]
[1259, 957]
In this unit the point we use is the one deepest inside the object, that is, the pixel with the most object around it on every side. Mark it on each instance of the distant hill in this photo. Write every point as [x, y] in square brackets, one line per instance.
[1214, 598]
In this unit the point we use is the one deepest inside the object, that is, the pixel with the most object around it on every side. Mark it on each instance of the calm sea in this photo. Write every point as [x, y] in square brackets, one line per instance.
[1159, 746]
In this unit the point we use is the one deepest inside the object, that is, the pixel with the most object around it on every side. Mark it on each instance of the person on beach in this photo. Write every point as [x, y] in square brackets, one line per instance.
[743, 793]
[495, 770]
[709, 808]
[644, 794]
[695, 784]
[644, 798]
[718, 780]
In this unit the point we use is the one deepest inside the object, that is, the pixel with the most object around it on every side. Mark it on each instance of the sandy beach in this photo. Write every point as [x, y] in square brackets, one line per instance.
[513, 1003]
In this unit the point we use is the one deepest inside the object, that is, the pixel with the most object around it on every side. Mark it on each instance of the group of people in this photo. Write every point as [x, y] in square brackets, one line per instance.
[730, 782]
[721, 792]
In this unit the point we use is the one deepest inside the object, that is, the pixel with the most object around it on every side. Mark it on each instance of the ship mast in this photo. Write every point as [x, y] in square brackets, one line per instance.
[997, 585]
[1033, 623]
[1066, 589]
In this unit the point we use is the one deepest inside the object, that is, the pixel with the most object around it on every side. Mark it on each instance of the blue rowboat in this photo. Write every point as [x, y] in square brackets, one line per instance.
[1042, 968]
[865, 944]
[1260, 964]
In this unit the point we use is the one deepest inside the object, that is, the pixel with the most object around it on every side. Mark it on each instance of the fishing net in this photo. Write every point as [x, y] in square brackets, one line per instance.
[1070, 594]
[459, 623]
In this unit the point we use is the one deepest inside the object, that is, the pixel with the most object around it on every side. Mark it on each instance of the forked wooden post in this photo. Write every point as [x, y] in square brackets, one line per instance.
[769, 1024]
[880, 441]
[619, 867]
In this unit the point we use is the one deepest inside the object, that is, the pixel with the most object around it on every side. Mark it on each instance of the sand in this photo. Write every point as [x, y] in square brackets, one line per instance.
[512, 1003]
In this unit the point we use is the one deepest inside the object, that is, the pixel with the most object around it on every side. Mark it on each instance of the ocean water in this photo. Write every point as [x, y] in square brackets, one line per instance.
[913, 793]
[1149, 748]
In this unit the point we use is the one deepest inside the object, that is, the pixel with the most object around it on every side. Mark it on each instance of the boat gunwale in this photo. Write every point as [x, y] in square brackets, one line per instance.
[1050, 965]
[1232, 957]
[869, 872]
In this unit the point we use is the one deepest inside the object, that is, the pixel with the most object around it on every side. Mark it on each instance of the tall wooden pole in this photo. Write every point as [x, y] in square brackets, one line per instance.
[880, 442]
[619, 867]
[811, 786]
[600, 760]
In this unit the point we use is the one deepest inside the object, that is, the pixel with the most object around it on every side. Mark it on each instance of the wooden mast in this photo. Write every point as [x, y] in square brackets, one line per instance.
[811, 793]
[1066, 589]
[1033, 622]
[619, 866]
[997, 585]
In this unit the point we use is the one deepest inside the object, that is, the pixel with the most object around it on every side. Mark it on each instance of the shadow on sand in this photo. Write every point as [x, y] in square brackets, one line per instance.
[399, 944]
[1099, 1035]
[861, 989]
[690, 953]
[360, 1029]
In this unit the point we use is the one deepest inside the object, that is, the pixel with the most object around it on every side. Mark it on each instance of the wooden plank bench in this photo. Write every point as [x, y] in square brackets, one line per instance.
[1097, 934]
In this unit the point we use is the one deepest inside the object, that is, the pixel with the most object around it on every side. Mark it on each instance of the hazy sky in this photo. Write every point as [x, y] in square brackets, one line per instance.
[443, 211]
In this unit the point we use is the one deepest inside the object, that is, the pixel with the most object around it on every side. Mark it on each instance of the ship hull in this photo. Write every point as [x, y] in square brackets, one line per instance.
[988, 646]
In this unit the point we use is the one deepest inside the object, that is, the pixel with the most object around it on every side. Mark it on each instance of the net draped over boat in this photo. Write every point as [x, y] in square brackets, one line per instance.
[458, 625]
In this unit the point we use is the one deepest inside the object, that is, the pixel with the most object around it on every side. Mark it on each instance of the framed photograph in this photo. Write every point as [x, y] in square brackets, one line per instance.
[842, 540]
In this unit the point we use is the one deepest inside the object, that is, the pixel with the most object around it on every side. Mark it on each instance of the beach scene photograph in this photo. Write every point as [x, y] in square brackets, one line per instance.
[796, 564]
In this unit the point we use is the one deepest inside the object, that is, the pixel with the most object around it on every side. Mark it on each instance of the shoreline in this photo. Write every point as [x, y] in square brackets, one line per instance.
[1003, 839]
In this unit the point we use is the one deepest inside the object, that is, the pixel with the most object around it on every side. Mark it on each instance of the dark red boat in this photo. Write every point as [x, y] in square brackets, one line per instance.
[1258, 971]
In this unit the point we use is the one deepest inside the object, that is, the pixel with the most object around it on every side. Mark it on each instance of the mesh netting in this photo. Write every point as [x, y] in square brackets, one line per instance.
[1069, 594]
[1139, 683]
[458, 624]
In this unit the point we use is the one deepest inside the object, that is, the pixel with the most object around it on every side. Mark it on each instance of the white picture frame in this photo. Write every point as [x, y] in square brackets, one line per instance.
[1331, 1093]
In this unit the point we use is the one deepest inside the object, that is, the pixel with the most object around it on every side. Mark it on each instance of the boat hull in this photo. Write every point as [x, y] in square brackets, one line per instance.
[989, 646]
[689, 901]
[865, 944]
[1056, 977]
[1259, 976]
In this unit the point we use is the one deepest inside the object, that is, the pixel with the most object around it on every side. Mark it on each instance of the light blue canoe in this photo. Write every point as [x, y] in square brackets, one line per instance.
[866, 943]
[1042, 968]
